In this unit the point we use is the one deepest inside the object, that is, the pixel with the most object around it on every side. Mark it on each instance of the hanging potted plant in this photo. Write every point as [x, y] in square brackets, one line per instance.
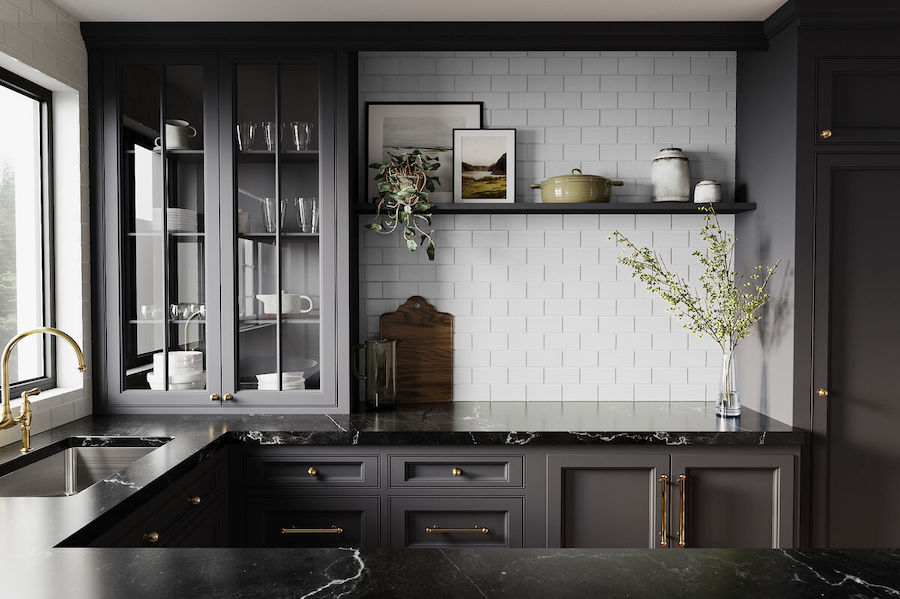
[404, 182]
[725, 308]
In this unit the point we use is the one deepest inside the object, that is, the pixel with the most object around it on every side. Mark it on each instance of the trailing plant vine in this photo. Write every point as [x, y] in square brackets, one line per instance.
[404, 182]
[726, 306]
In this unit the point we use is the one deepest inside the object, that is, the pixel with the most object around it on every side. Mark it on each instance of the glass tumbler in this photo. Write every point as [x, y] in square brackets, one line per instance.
[246, 132]
[301, 133]
[268, 207]
[308, 214]
[270, 132]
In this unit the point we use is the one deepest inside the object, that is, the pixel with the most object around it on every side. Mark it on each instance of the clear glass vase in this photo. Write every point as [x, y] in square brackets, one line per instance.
[728, 401]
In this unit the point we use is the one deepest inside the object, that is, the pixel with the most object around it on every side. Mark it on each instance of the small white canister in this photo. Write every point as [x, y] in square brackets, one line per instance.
[707, 192]
[670, 176]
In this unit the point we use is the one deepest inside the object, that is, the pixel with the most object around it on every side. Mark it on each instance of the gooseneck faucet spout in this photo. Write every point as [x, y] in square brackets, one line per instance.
[7, 420]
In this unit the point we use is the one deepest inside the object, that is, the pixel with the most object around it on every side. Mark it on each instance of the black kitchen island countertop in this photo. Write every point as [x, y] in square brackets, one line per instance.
[31, 528]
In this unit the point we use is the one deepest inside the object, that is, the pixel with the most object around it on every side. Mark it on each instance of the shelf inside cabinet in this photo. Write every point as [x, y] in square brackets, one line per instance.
[271, 321]
[587, 208]
[257, 156]
[269, 238]
[176, 234]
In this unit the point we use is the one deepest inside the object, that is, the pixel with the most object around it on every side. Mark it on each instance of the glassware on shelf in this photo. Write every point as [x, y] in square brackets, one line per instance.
[246, 134]
[270, 132]
[308, 214]
[301, 133]
[268, 207]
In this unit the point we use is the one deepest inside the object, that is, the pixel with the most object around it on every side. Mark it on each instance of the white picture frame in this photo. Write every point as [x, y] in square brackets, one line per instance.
[396, 127]
[484, 166]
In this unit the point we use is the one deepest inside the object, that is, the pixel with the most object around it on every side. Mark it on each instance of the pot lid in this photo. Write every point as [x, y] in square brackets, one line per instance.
[577, 176]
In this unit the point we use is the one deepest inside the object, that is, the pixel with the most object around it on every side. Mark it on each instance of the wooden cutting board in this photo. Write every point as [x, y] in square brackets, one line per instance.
[425, 351]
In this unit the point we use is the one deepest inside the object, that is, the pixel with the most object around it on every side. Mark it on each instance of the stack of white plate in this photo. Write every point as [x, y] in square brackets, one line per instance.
[178, 219]
[289, 380]
[185, 371]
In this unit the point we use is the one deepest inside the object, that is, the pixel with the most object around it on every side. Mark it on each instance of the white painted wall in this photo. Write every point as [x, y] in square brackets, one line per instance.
[41, 42]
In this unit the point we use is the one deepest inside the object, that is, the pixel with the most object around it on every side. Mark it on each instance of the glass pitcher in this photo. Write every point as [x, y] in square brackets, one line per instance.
[381, 372]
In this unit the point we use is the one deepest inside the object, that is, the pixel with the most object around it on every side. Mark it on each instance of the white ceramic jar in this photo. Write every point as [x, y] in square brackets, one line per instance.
[670, 176]
[708, 192]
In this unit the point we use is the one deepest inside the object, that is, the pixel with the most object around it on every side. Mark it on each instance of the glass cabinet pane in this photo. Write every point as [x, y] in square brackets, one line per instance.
[163, 215]
[278, 262]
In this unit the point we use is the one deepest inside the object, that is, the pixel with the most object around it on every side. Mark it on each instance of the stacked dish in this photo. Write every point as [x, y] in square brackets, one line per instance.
[289, 381]
[178, 220]
[185, 371]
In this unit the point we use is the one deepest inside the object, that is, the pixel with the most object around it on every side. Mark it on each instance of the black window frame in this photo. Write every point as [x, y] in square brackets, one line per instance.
[44, 97]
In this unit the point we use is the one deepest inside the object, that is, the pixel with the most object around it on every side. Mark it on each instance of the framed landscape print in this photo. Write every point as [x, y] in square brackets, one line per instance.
[398, 127]
[484, 165]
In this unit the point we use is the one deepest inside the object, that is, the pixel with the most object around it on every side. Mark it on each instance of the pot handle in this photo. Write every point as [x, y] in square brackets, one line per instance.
[577, 171]
[616, 183]
[535, 186]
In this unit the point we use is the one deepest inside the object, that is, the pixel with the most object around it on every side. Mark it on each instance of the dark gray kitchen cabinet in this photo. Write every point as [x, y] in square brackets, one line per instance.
[456, 522]
[856, 100]
[607, 499]
[732, 500]
[279, 520]
[206, 277]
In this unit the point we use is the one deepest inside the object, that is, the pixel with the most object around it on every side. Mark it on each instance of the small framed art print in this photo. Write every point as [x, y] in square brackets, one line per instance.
[484, 165]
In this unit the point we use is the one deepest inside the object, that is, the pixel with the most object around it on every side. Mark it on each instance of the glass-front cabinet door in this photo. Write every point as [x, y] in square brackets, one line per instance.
[278, 233]
[165, 260]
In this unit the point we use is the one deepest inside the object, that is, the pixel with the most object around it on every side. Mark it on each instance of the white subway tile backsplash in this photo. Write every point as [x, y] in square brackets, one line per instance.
[542, 309]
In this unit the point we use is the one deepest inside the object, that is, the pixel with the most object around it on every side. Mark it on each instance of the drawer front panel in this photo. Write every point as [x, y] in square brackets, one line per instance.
[456, 522]
[312, 522]
[314, 471]
[438, 471]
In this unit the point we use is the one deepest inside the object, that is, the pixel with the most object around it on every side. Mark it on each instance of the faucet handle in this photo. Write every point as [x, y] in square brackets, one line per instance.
[30, 392]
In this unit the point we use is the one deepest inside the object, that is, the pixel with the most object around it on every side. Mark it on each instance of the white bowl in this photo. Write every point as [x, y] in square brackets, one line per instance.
[271, 378]
[177, 382]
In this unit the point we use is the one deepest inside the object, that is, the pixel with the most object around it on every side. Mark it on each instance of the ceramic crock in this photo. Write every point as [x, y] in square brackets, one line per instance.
[670, 176]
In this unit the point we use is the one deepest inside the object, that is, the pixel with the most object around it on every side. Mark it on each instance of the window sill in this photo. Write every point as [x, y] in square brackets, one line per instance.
[50, 398]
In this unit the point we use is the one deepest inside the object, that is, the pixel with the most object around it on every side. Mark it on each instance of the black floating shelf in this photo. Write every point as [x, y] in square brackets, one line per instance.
[264, 156]
[589, 208]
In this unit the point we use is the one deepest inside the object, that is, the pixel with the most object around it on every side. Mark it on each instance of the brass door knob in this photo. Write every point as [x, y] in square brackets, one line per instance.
[151, 537]
[228, 397]
[456, 472]
[822, 392]
[313, 471]
[214, 397]
[825, 133]
[195, 500]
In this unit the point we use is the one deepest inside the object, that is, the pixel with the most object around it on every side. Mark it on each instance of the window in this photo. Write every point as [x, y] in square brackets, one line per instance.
[25, 229]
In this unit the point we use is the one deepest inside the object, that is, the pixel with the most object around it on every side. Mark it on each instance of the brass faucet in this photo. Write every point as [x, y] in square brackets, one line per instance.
[7, 420]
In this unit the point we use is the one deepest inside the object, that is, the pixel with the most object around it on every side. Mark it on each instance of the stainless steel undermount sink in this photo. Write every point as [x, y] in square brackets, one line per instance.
[68, 470]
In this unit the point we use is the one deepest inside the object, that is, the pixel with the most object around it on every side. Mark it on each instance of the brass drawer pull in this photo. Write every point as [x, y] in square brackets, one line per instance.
[438, 530]
[664, 532]
[214, 397]
[334, 530]
[195, 500]
[313, 471]
[151, 537]
[682, 483]
[825, 133]
[822, 392]
[456, 472]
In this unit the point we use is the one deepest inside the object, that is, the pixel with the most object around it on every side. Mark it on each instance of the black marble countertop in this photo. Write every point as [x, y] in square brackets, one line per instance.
[31, 527]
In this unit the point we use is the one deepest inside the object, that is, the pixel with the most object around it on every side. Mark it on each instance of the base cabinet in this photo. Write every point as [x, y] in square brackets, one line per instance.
[456, 522]
[279, 521]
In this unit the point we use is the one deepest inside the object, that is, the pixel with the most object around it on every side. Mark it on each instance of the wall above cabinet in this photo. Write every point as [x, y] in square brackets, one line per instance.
[588, 208]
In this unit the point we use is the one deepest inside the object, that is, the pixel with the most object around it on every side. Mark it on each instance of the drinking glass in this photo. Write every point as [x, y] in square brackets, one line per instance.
[269, 206]
[246, 132]
[301, 133]
[308, 214]
[270, 132]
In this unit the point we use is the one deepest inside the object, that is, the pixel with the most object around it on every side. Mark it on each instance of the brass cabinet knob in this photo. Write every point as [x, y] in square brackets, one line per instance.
[822, 392]
[151, 537]
[214, 397]
[825, 133]
[456, 472]
[195, 500]
[228, 397]
[313, 471]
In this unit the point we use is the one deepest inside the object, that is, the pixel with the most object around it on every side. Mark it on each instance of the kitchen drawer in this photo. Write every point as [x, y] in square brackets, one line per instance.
[456, 522]
[266, 470]
[312, 522]
[471, 471]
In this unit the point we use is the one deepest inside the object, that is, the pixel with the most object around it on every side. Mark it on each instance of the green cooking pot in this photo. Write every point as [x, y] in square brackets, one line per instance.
[575, 188]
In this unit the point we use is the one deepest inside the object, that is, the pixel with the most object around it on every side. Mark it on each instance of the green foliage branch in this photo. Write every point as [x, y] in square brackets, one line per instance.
[726, 306]
[404, 182]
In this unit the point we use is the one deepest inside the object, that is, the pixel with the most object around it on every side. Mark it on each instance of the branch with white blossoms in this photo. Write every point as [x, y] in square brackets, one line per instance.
[726, 306]
[404, 182]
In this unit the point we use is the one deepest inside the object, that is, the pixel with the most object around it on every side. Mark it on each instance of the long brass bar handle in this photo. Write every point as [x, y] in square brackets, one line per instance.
[438, 530]
[682, 483]
[664, 515]
[334, 530]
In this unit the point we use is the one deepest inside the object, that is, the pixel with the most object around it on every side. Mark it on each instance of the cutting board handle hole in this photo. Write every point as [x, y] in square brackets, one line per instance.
[417, 305]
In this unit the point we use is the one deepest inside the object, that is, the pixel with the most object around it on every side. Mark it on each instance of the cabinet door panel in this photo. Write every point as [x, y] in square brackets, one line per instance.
[469, 471]
[734, 500]
[605, 500]
[857, 99]
[279, 521]
[456, 522]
